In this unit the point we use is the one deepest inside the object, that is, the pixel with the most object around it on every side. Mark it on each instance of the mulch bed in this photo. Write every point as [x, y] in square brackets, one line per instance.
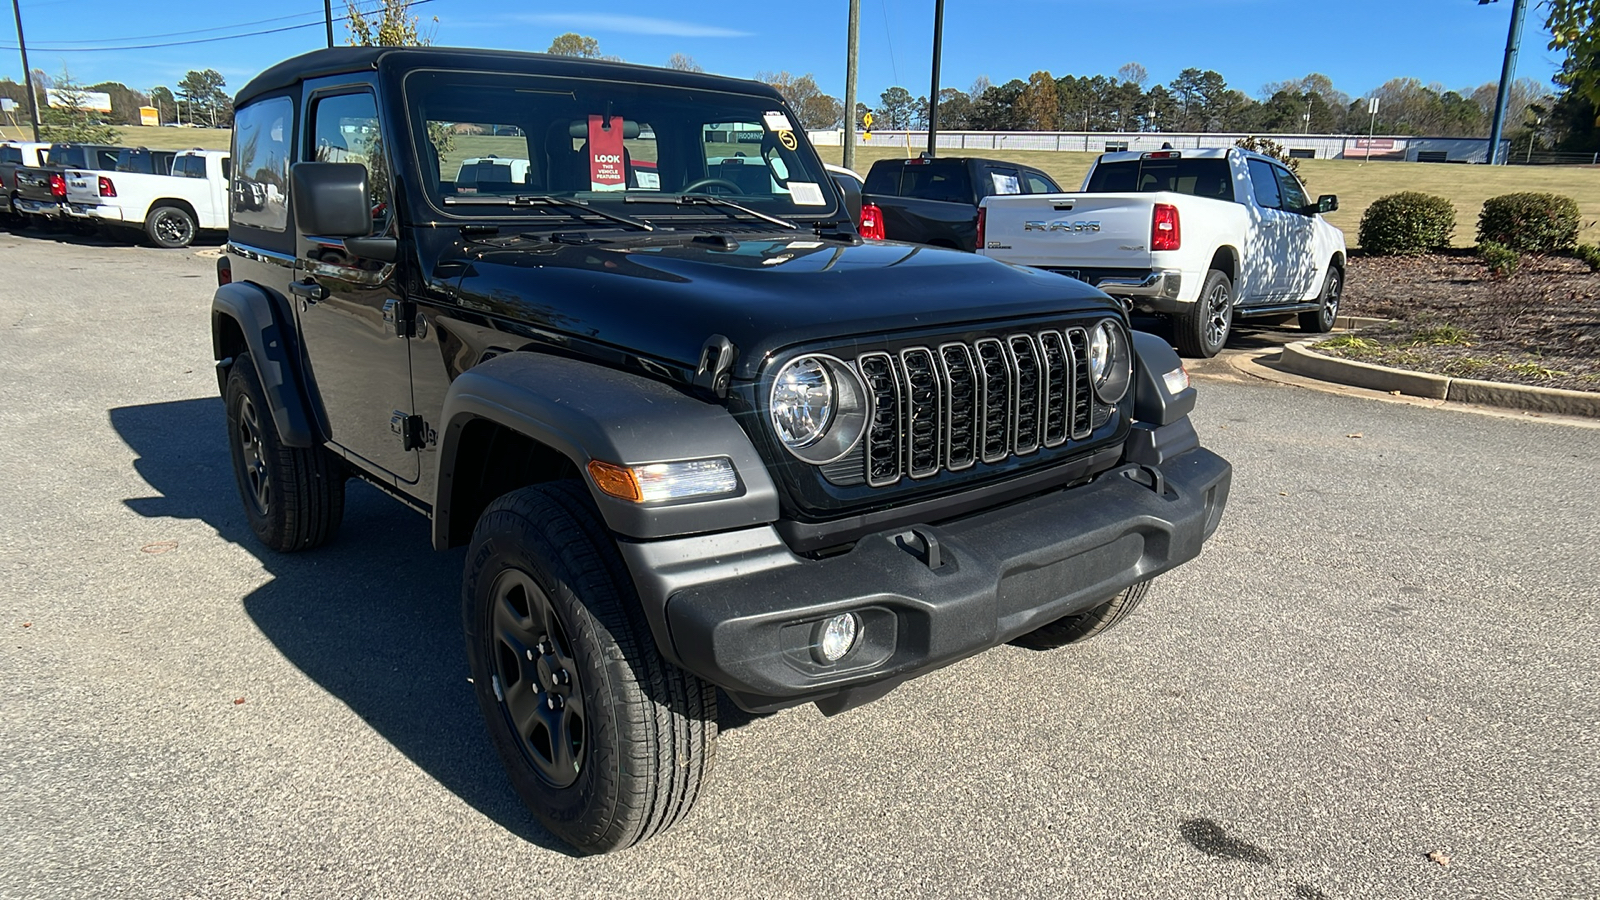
[1539, 326]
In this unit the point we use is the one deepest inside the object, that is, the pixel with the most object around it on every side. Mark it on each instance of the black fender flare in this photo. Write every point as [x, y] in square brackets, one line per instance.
[269, 338]
[590, 412]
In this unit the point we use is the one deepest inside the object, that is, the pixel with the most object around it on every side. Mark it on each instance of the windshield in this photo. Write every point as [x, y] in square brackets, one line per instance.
[485, 137]
[1197, 177]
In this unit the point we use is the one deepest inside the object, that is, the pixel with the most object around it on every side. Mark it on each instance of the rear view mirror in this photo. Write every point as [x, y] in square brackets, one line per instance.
[330, 199]
[850, 190]
[1327, 203]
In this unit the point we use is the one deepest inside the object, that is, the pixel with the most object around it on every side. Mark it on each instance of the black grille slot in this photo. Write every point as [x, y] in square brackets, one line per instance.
[922, 403]
[883, 432]
[1025, 363]
[1057, 391]
[960, 407]
[995, 389]
[1078, 340]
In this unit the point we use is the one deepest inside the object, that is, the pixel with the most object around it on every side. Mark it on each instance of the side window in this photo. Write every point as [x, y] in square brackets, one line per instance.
[1294, 196]
[227, 169]
[105, 159]
[344, 128]
[1034, 183]
[12, 155]
[1004, 181]
[1265, 183]
[260, 186]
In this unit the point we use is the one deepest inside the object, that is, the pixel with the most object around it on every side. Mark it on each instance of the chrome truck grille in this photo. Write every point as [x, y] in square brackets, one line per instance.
[952, 406]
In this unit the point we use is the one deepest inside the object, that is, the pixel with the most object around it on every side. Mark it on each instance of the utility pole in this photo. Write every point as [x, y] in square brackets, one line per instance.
[933, 93]
[1508, 70]
[851, 52]
[27, 73]
[327, 15]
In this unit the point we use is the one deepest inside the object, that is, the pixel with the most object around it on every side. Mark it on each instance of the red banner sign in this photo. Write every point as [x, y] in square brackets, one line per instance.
[606, 172]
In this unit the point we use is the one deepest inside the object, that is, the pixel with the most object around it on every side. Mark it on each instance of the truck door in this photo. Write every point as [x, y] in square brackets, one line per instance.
[1267, 248]
[1299, 237]
[349, 308]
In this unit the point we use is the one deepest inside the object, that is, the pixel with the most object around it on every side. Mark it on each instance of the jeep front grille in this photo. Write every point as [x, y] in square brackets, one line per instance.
[951, 406]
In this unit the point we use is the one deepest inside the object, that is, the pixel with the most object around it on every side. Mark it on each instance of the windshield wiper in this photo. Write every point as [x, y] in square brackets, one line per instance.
[707, 200]
[570, 204]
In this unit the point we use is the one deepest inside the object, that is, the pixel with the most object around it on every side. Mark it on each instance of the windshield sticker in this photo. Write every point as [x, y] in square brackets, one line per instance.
[1005, 184]
[776, 121]
[788, 140]
[605, 155]
[806, 193]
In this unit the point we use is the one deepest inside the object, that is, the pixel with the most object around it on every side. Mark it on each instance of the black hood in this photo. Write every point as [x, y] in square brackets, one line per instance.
[663, 300]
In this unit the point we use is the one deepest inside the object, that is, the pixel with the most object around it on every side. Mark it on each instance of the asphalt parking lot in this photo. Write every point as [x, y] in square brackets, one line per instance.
[1388, 651]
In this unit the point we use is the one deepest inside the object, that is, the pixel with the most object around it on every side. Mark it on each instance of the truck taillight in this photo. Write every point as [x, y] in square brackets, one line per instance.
[1164, 231]
[107, 189]
[224, 271]
[58, 187]
[982, 219]
[872, 222]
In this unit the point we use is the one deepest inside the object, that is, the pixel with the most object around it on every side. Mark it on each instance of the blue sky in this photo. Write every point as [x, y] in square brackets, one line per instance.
[1358, 43]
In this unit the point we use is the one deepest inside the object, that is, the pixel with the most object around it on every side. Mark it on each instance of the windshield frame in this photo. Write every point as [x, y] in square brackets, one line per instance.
[419, 142]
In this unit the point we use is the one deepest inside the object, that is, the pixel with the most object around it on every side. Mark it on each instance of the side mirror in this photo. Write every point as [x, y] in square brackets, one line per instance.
[1327, 203]
[850, 190]
[330, 199]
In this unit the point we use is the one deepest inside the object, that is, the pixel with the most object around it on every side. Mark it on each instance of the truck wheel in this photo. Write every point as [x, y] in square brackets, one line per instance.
[293, 497]
[1203, 330]
[1320, 321]
[605, 741]
[170, 227]
[1085, 625]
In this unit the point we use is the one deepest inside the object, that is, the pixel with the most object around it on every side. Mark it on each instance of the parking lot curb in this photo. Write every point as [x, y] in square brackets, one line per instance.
[1300, 359]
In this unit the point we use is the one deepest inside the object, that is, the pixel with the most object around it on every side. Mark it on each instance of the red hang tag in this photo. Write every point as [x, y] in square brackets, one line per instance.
[606, 172]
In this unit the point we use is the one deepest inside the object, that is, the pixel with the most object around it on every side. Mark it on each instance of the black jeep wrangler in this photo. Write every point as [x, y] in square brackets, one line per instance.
[612, 328]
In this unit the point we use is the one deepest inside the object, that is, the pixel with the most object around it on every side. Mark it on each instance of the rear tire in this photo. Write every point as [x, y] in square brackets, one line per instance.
[170, 227]
[293, 497]
[1203, 330]
[1321, 320]
[605, 741]
[1085, 625]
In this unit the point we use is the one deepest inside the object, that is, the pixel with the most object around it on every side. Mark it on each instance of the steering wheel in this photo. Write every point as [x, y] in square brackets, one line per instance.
[711, 182]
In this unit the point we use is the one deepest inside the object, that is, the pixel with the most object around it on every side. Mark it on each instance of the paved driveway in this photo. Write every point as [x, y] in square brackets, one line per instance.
[1388, 650]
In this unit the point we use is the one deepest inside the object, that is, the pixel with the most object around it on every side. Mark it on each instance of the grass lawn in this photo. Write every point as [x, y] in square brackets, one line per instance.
[1356, 183]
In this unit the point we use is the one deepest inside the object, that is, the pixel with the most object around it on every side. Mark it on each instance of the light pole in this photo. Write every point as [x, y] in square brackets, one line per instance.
[1507, 71]
[27, 73]
[933, 93]
[852, 49]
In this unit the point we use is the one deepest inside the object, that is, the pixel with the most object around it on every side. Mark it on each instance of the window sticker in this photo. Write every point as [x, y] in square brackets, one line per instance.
[1005, 184]
[606, 172]
[788, 140]
[776, 121]
[806, 193]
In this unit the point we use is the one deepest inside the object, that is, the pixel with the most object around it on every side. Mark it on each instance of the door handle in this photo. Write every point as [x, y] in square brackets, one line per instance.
[308, 291]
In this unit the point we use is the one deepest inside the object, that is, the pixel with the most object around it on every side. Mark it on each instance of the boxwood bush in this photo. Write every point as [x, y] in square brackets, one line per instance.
[1409, 223]
[1530, 222]
[1500, 259]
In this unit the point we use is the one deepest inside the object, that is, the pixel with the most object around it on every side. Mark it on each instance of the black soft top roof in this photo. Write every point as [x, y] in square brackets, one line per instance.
[338, 60]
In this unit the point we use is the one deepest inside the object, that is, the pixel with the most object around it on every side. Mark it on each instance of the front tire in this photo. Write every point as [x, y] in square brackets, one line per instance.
[605, 741]
[1087, 624]
[1203, 330]
[170, 227]
[1320, 320]
[293, 497]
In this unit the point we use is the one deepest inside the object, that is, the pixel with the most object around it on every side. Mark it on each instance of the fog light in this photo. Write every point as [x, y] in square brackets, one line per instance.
[838, 636]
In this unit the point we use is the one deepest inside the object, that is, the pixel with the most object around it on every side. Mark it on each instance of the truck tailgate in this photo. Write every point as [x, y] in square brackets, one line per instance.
[82, 187]
[1070, 230]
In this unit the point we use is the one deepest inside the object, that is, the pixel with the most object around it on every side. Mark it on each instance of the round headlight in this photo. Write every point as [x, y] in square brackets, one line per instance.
[1110, 362]
[802, 402]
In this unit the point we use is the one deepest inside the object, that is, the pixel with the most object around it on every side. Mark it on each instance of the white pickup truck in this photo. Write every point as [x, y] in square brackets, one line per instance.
[1202, 236]
[171, 209]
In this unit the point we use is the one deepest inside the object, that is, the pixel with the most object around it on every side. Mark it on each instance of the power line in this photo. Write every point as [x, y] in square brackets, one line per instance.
[146, 37]
[210, 40]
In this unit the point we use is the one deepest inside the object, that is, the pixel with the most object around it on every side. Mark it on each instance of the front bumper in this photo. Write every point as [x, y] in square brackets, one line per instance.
[51, 210]
[93, 211]
[741, 611]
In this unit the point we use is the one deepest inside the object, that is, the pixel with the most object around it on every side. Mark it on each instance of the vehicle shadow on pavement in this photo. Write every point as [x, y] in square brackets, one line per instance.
[373, 618]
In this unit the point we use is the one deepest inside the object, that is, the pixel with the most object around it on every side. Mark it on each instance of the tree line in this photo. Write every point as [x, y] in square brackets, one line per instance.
[198, 98]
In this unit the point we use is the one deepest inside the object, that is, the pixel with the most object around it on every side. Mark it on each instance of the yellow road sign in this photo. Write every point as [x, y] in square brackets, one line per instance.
[866, 122]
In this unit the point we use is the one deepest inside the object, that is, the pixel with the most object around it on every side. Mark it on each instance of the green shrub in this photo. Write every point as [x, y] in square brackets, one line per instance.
[1530, 222]
[1590, 254]
[1407, 224]
[1500, 259]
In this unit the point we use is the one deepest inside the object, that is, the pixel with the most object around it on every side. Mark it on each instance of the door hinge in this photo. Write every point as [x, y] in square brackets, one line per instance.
[414, 433]
[400, 318]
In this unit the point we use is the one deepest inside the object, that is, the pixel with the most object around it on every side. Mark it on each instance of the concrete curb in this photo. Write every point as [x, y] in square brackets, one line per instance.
[1300, 359]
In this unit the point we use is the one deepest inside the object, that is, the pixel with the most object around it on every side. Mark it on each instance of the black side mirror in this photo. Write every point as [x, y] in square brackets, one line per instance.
[1327, 203]
[850, 190]
[330, 199]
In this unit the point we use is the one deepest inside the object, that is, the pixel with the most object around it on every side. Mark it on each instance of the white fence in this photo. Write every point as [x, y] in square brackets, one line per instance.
[1309, 146]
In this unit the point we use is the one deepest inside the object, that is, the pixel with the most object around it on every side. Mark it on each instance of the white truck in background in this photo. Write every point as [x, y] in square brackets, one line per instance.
[1202, 236]
[170, 209]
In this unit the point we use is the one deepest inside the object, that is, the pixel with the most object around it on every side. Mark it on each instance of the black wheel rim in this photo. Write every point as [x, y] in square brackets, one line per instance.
[1330, 303]
[1219, 316]
[536, 679]
[252, 458]
[172, 228]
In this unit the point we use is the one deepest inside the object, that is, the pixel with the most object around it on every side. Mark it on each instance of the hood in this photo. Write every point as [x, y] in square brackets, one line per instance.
[663, 300]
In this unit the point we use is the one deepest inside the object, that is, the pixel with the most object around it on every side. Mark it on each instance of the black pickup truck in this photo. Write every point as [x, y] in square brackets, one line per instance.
[41, 193]
[934, 200]
[16, 155]
[694, 432]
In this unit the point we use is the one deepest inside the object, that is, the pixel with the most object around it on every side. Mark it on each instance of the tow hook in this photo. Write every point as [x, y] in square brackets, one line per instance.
[921, 543]
[1146, 475]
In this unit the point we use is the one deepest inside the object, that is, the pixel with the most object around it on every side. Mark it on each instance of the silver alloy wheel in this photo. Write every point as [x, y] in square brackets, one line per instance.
[1219, 315]
[1330, 297]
